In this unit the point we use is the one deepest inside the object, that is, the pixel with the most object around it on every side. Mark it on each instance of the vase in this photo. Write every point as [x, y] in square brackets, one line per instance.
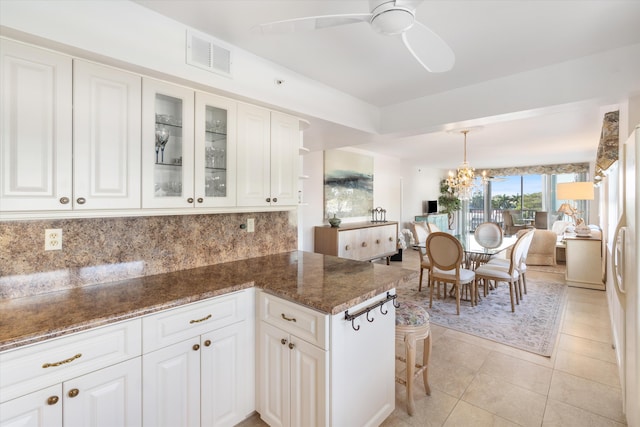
[335, 222]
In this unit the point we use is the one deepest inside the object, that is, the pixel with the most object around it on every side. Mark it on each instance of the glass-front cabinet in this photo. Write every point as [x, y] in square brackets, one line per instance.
[167, 145]
[215, 151]
[189, 149]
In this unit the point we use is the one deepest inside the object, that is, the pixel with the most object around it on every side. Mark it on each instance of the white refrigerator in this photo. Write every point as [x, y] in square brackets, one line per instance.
[625, 266]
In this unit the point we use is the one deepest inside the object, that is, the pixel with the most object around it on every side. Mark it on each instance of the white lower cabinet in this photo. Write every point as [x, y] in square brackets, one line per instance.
[293, 380]
[38, 409]
[105, 398]
[205, 380]
[335, 376]
[88, 388]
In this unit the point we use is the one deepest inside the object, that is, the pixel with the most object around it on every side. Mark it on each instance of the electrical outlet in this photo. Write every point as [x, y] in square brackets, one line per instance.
[53, 239]
[251, 225]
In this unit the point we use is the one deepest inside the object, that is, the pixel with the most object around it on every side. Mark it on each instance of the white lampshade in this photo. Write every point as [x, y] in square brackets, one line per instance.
[575, 191]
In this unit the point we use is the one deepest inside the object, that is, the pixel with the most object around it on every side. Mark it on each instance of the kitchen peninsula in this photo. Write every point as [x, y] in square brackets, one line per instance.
[301, 296]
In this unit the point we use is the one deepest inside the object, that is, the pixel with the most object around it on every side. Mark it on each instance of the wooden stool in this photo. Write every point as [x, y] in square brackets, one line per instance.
[412, 324]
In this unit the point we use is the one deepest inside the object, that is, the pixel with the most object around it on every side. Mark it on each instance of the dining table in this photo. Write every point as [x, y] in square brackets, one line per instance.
[475, 254]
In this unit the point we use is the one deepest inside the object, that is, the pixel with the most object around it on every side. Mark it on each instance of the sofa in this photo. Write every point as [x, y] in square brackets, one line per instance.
[543, 247]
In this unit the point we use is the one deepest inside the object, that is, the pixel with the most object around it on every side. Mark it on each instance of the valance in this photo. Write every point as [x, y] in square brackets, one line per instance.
[608, 147]
[540, 170]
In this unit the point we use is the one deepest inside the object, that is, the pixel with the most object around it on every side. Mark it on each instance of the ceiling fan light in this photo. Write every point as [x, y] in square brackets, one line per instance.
[392, 21]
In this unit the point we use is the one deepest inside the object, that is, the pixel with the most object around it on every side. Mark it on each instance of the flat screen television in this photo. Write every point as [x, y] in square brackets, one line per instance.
[432, 206]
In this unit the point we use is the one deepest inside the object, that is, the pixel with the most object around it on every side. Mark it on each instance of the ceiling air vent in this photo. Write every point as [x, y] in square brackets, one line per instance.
[202, 52]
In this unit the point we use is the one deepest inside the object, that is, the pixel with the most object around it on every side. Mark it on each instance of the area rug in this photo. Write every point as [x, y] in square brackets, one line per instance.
[559, 269]
[533, 327]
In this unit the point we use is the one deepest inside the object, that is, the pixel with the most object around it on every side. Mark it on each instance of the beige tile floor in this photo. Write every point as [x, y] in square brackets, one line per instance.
[477, 382]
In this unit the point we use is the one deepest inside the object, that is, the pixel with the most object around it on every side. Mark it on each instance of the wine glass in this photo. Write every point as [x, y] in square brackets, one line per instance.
[162, 137]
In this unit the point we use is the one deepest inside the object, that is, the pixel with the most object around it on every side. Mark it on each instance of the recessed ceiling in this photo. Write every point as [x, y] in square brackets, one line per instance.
[491, 39]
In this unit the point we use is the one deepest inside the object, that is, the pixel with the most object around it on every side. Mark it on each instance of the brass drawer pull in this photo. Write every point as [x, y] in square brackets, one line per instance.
[289, 319]
[74, 392]
[200, 320]
[62, 362]
[52, 400]
[207, 343]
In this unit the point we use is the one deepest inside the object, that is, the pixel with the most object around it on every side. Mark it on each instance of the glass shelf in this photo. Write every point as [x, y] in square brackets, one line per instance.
[178, 165]
[212, 169]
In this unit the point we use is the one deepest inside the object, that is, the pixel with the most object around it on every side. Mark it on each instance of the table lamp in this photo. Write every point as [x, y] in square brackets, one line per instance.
[575, 191]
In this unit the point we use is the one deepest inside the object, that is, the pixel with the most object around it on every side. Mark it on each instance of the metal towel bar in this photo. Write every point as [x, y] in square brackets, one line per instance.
[352, 317]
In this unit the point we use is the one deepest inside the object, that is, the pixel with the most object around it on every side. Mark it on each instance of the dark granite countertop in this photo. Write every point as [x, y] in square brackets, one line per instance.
[325, 283]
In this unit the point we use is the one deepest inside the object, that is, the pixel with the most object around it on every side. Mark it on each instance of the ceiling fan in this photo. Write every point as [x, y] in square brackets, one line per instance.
[388, 17]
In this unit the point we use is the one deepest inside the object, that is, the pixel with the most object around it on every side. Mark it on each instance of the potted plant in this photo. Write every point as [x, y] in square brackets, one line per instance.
[448, 202]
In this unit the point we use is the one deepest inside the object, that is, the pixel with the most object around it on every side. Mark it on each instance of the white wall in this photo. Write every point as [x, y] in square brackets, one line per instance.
[421, 184]
[388, 192]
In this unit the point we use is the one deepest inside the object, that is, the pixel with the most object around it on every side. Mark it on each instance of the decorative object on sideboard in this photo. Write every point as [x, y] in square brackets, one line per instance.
[575, 191]
[335, 221]
[378, 215]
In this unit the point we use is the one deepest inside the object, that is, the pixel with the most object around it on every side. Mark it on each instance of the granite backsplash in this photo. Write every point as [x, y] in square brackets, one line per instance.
[101, 250]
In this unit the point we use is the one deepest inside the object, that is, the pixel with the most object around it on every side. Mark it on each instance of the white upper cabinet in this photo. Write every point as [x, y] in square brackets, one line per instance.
[106, 132]
[215, 151]
[167, 145]
[285, 152]
[268, 148]
[36, 139]
[81, 139]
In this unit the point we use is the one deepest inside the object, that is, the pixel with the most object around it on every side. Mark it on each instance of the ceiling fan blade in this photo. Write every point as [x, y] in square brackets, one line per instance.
[310, 23]
[428, 48]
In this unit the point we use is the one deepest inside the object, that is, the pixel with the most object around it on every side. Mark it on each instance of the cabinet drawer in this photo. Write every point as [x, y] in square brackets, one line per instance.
[34, 367]
[178, 324]
[305, 323]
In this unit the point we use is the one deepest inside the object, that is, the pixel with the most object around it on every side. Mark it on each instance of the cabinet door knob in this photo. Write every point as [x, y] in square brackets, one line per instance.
[377, 241]
[190, 200]
[346, 248]
[64, 200]
[268, 199]
[283, 341]
[275, 199]
[364, 244]
[52, 400]
[200, 200]
[291, 345]
[74, 392]
[81, 200]
[207, 343]
[391, 239]
[196, 347]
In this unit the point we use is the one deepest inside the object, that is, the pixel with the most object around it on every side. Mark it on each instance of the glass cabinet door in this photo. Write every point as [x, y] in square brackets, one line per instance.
[215, 151]
[167, 145]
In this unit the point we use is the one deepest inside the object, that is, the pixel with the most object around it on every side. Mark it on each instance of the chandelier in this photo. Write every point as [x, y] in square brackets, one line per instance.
[461, 183]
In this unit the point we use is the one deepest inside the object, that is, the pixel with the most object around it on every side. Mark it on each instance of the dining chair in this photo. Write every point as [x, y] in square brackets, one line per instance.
[432, 227]
[446, 254]
[528, 236]
[420, 232]
[488, 235]
[499, 272]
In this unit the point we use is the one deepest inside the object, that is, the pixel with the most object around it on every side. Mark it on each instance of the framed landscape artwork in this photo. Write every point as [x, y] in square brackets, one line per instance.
[348, 184]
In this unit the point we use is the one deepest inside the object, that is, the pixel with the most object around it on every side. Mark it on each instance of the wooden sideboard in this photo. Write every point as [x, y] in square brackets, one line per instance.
[362, 241]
